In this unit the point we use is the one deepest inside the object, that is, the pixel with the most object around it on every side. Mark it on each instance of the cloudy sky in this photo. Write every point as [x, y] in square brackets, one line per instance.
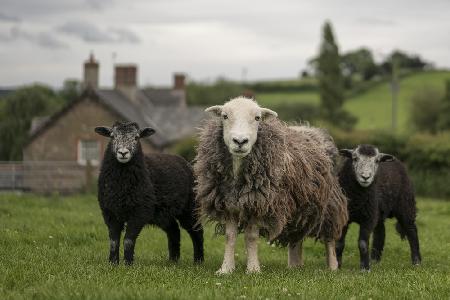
[47, 40]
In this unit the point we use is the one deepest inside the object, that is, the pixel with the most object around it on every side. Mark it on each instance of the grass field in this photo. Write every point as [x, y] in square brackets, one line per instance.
[56, 248]
[372, 107]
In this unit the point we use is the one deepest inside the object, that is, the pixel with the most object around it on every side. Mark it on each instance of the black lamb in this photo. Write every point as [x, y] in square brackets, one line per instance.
[137, 190]
[378, 187]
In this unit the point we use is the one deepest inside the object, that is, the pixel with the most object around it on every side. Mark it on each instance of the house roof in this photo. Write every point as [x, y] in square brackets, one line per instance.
[162, 109]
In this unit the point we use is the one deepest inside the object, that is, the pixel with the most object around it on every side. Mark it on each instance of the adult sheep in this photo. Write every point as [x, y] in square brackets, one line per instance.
[378, 187]
[253, 172]
[136, 190]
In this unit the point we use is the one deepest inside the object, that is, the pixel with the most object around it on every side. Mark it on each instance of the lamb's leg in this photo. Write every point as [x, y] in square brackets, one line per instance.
[340, 245]
[173, 239]
[115, 229]
[196, 234]
[363, 245]
[331, 255]
[251, 241]
[379, 235]
[132, 231]
[228, 265]
[295, 255]
[410, 229]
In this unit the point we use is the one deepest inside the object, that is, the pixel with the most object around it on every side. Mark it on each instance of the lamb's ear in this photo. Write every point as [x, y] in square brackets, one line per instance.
[385, 157]
[346, 152]
[146, 132]
[215, 110]
[103, 130]
[268, 114]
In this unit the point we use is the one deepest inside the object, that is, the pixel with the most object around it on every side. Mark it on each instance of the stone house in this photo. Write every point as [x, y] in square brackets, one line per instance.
[63, 151]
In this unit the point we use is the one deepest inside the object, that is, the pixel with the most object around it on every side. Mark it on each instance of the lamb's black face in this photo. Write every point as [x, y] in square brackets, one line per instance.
[124, 138]
[365, 162]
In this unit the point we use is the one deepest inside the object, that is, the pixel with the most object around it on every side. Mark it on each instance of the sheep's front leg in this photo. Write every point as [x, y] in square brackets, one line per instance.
[115, 229]
[251, 242]
[363, 245]
[132, 231]
[331, 255]
[228, 265]
[295, 255]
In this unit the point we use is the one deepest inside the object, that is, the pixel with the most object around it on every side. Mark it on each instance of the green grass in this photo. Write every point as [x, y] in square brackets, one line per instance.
[374, 107]
[56, 248]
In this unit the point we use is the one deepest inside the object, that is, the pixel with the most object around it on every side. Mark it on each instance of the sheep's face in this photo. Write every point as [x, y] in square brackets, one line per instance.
[240, 119]
[124, 138]
[365, 162]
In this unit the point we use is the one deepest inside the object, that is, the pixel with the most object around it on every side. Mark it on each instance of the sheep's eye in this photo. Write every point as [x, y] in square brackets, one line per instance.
[225, 117]
[258, 118]
[355, 159]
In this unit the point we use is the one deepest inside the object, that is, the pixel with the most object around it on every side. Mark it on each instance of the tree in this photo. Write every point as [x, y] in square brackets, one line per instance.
[404, 61]
[331, 86]
[71, 90]
[359, 62]
[19, 108]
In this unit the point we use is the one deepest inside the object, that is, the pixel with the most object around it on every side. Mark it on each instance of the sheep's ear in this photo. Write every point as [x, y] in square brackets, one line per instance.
[268, 114]
[215, 110]
[103, 130]
[346, 152]
[385, 157]
[146, 132]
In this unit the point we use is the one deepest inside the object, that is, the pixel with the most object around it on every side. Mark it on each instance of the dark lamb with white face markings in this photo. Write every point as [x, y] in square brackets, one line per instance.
[135, 190]
[378, 187]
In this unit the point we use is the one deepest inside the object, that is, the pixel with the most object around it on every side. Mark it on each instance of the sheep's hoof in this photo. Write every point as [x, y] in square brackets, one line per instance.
[128, 263]
[365, 270]
[253, 269]
[224, 271]
[295, 266]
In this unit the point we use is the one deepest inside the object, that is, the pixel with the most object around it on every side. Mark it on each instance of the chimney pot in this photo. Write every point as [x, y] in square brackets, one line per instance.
[91, 68]
[179, 81]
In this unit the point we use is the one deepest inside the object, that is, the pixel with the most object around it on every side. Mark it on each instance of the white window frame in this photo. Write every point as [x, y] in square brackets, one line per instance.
[83, 162]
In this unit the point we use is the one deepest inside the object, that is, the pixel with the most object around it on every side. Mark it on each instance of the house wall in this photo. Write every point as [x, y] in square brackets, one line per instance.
[59, 142]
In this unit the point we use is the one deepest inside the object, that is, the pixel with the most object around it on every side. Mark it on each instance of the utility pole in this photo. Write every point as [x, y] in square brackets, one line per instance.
[394, 91]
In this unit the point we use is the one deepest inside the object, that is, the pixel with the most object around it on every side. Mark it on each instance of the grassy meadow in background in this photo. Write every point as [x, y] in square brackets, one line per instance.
[373, 105]
[56, 248]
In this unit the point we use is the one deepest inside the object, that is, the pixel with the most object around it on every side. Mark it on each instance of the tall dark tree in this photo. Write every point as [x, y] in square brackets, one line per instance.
[331, 85]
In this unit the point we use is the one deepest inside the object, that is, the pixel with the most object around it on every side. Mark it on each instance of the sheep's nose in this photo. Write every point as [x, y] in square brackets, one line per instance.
[365, 177]
[240, 142]
[123, 152]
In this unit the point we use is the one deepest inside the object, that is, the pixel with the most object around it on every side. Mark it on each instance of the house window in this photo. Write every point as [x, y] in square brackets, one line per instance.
[88, 150]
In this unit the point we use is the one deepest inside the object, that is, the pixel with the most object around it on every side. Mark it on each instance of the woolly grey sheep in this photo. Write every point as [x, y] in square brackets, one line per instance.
[256, 174]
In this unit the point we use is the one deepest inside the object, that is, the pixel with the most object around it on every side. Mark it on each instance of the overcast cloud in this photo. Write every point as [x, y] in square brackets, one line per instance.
[48, 40]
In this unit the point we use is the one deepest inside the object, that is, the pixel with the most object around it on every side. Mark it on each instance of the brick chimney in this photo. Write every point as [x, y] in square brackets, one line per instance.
[90, 75]
[125, 80]
[179, 81]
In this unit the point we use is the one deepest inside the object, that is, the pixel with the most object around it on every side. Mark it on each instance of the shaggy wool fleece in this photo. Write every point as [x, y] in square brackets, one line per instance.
[286, 184]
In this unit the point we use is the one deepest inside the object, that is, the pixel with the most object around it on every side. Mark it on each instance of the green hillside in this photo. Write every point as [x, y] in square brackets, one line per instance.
[372, 107]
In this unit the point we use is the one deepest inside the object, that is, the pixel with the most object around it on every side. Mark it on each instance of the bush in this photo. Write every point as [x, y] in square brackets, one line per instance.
[212, 94]
[425, 109]
[186, 148]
